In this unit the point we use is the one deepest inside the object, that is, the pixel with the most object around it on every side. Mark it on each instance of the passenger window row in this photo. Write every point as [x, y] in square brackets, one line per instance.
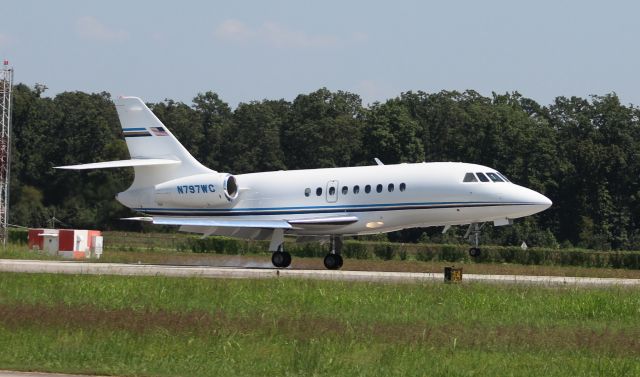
[356, 189]
[482, 177]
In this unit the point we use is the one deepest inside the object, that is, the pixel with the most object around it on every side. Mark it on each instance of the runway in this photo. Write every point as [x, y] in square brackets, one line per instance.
[84, 268]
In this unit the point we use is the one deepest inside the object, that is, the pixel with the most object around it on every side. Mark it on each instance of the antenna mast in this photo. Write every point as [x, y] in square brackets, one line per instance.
[6, 87]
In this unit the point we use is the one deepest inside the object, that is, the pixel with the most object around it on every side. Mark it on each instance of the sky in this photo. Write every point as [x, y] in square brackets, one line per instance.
[255, 50]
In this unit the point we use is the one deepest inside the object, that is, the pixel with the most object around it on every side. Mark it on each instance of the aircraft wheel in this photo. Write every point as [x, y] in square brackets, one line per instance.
[333, 261]
[281, 259]
[287, 259]
[474, 252]
[340, 260]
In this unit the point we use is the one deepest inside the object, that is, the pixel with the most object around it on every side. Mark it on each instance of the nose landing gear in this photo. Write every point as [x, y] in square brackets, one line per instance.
[473, 234]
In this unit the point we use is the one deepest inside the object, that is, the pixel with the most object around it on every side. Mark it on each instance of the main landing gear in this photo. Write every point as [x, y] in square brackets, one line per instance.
[279, 258]
[333, 260]
[282, 259]
[473, 234]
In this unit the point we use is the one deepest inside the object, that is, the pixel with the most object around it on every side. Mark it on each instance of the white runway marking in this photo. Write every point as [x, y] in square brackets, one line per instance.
[67, 267]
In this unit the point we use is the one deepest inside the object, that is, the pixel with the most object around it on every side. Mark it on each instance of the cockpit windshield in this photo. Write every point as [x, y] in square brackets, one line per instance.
[503, 177]
[484, 177]
[469, 177]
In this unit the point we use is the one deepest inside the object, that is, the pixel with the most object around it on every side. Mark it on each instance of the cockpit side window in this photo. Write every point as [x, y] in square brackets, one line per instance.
[482, 177]
[494, 177]
[469, 177]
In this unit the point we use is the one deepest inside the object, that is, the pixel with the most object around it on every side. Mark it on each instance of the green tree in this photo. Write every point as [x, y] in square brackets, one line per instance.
[253, 142]
[323, 130]
[391, 134]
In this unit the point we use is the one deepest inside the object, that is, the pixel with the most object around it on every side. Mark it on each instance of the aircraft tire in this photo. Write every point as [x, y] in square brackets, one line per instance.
[474, 252]
[332, 261]
[281, 259]
[287, 259]
[340, 260]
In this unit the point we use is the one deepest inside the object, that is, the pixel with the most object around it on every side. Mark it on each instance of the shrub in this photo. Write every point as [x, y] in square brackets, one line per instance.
[402, 253]
[18, 236]
[385, 251]
[357, 250]
[308, 250]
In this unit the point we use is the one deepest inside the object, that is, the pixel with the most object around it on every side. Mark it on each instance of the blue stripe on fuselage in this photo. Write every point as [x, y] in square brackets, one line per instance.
[320, 209]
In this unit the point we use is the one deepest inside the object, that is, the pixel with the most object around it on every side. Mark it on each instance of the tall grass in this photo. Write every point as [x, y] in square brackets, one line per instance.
[171, 326]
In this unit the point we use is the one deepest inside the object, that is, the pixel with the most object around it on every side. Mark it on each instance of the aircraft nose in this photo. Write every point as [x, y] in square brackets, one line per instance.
[539, 201]
[546, 201]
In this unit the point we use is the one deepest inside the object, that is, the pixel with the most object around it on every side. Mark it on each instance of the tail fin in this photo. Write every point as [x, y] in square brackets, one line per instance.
[148, 138]
[156, 155]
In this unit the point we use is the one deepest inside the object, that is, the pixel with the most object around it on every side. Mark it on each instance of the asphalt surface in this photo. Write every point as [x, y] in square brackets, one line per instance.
[69, 267]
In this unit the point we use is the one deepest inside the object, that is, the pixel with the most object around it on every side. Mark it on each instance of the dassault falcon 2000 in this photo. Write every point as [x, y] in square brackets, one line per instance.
[172, 188]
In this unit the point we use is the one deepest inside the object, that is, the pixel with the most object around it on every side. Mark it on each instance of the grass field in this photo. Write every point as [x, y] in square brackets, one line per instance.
[199, 327]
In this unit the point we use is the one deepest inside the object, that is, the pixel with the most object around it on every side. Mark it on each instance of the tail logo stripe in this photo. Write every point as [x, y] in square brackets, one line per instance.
[135, 132]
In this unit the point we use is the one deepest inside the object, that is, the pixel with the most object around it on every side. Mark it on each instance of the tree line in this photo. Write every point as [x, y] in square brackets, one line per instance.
[583, 153]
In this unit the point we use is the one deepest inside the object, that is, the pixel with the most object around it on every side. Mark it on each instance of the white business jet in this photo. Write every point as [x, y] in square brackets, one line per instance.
[172, 188]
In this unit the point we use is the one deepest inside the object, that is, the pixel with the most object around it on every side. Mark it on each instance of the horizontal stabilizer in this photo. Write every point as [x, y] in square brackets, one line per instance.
[120, 164]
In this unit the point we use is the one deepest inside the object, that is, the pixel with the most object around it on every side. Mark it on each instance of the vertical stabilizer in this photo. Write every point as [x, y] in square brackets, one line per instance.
[148, 138]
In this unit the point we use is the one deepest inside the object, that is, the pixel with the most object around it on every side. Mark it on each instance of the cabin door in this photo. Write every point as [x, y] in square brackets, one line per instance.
[332, 191]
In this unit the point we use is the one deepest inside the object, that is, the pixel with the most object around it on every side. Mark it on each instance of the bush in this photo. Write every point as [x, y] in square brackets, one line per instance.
[308, 250]
[388, 251]
[18, 236]
[218, 245]
[356, 250]
[425, 253]
[385, 251]
[402, 253]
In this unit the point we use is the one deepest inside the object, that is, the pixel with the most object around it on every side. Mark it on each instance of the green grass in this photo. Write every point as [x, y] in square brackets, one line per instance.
[210, 327]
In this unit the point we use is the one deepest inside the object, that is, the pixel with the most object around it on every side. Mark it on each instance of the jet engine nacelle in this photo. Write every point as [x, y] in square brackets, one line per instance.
[203, 190]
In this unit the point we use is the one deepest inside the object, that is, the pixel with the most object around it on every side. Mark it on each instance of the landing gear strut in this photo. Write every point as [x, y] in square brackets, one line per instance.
[473, 233]
[333, 260]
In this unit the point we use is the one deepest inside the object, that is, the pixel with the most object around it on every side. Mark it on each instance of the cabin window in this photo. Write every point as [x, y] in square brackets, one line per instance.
[345, 190]
[332, 191]
[494, 177]
[356, 189]
[307, 192]
[319, 191]
[469, 177]
[367, 189]
[379, 188]
[390, 187]
[482, 177]
[403, 187]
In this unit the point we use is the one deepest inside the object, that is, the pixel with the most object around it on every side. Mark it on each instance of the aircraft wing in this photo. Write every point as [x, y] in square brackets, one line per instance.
[268, 224]
[247, 229]
[203, 221]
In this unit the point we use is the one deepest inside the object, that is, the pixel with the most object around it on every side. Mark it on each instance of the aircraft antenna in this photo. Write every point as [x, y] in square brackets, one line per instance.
[6, 87]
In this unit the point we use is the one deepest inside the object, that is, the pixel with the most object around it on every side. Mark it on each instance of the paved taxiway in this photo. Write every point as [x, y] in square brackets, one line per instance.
[68, 267]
